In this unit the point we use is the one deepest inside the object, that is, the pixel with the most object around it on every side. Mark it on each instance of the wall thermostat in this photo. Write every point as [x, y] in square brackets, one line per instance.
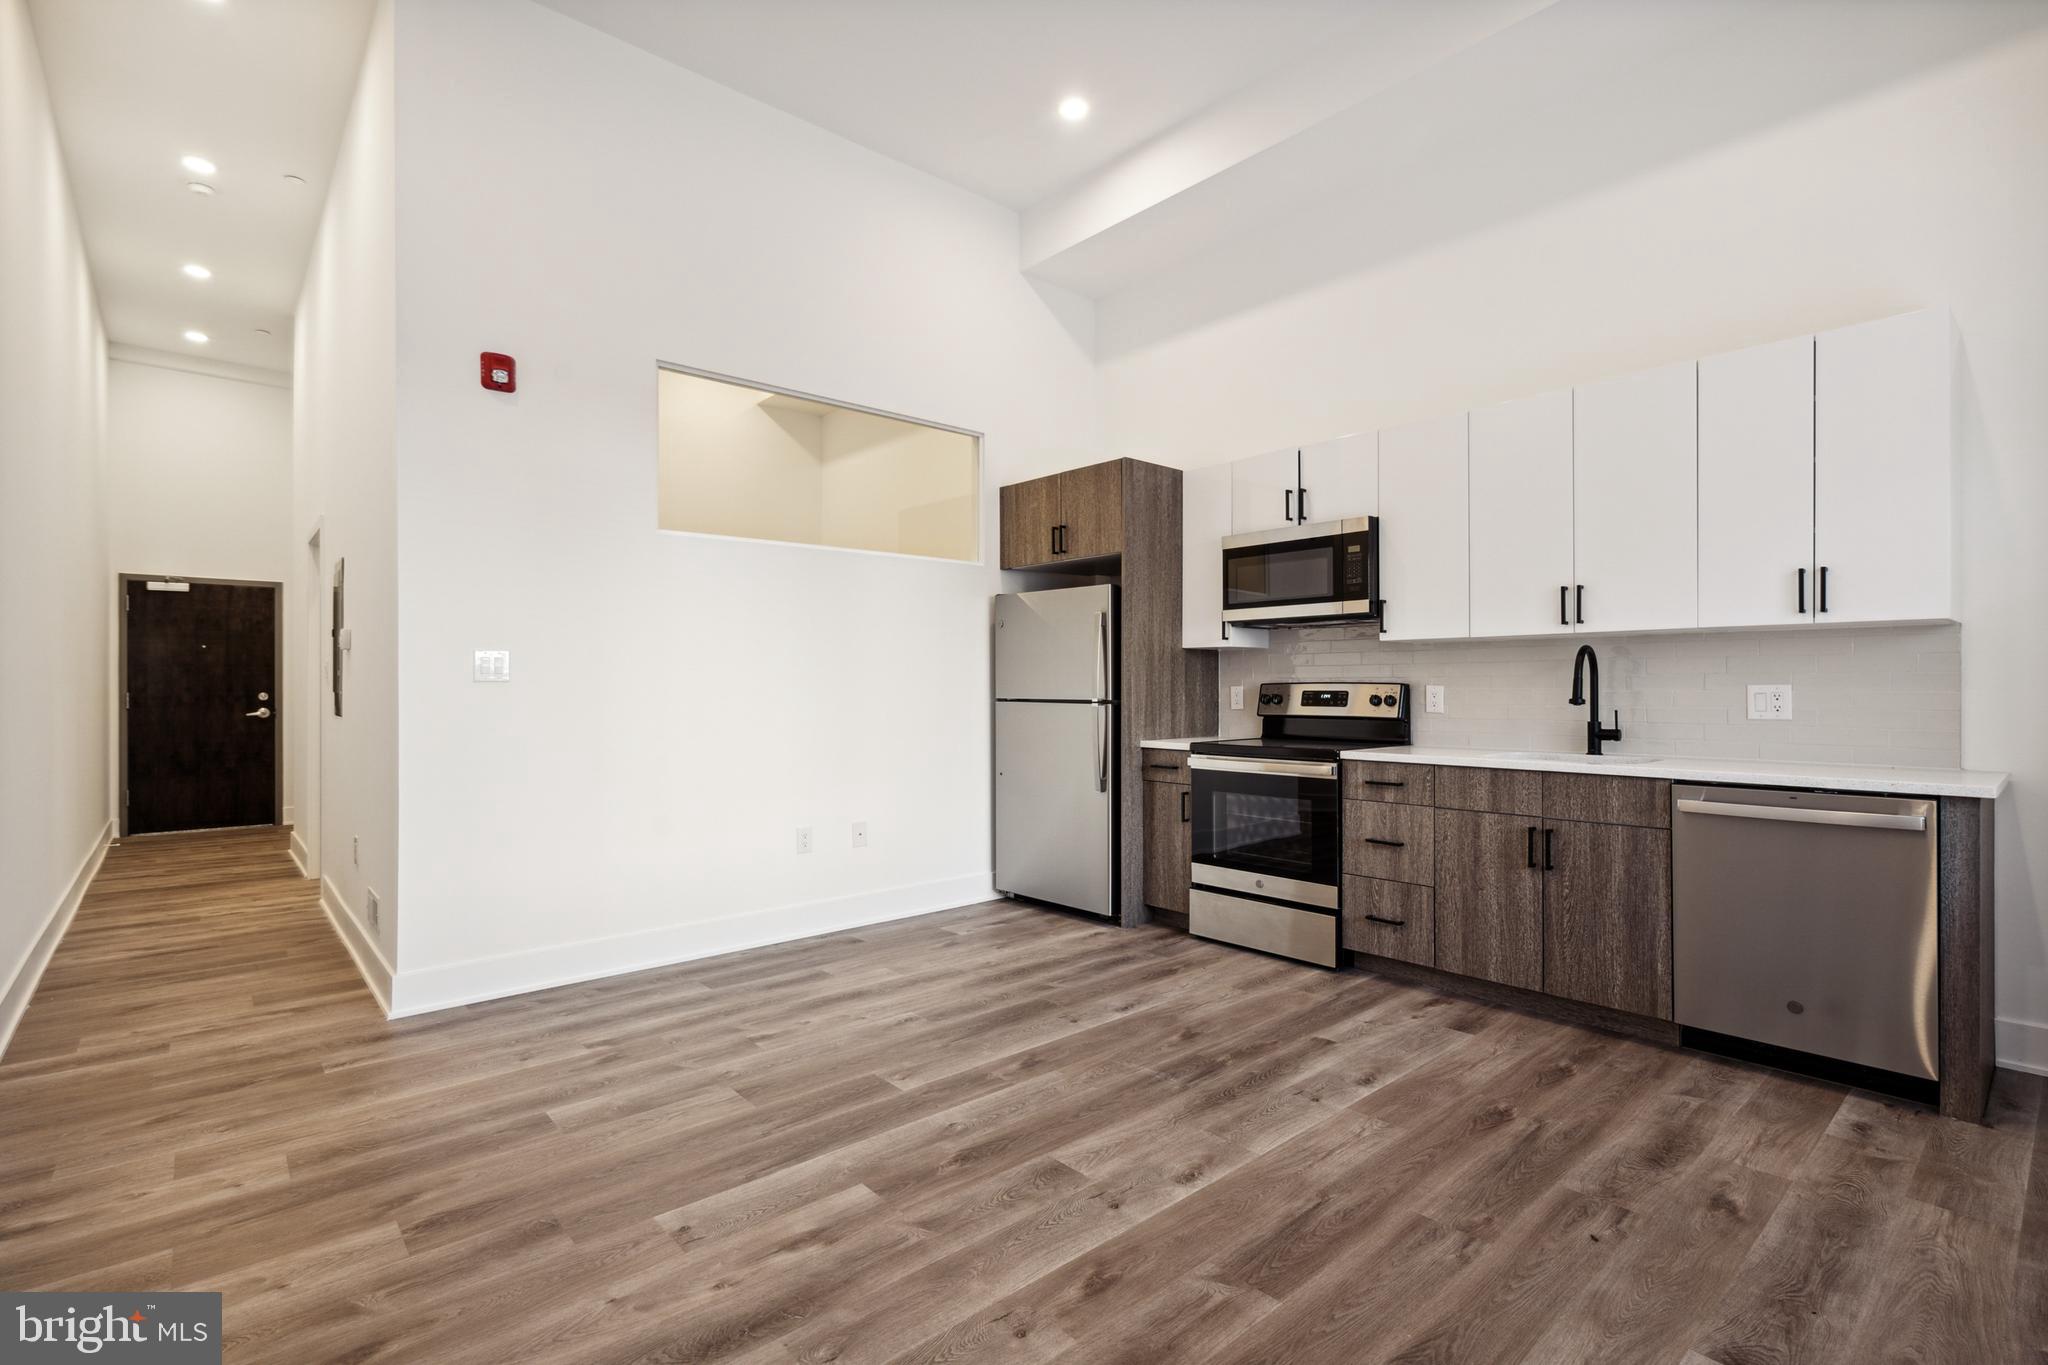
[499, 372]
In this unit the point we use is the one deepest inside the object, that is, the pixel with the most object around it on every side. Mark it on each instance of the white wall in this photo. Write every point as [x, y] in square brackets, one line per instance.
[56, 594]
[678, 705]
[344, 489]
[199, 471]
[1926, 192]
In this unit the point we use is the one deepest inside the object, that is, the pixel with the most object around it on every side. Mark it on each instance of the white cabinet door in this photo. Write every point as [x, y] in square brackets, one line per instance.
[1263, 489]
[1635, 502]
[1205, 520]
[1522, 516]
[1340, 479]
[1424, 575]
[1756, 486]
[1883, 497]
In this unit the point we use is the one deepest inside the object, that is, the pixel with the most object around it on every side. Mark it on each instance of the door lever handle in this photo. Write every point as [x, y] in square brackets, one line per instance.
[261, 713]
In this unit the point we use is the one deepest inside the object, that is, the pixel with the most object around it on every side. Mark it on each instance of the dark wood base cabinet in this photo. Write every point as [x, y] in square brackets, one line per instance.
[1578, 908]
[1167, 845]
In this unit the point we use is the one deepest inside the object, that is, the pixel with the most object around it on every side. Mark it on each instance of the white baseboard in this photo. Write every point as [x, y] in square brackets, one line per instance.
[2022, 1045]
[301, 857]
[376, 972]
[21, 984]
[424, 990]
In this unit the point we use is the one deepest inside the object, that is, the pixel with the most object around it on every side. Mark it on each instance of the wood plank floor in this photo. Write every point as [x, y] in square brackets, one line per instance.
[998, 1133]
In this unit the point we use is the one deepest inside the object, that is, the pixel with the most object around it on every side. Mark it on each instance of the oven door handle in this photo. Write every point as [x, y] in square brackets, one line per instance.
[1283, 767]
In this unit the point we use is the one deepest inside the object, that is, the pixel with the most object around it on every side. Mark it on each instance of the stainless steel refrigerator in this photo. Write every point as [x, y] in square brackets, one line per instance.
[1056, 746]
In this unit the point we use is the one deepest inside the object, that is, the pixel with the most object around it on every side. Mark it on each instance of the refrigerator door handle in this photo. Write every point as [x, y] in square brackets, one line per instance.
[1101, 748]
[1102, 656]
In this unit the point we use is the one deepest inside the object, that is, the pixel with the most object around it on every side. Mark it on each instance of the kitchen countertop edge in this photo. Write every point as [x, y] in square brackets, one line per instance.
[1180, 744]
[1855, 777]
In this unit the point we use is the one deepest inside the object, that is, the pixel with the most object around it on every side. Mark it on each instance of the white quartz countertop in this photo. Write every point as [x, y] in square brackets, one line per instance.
[1180, 744]
[1855, 777]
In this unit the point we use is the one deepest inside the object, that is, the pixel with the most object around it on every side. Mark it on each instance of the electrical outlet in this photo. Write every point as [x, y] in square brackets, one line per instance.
[1770, 701]
[370, 897]
[860, 834]
[1237, 698]
[355, 849]
[803, 838]
[1433, 699]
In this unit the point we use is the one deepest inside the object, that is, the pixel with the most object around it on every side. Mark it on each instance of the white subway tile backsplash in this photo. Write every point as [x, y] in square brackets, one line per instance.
[1890, 694]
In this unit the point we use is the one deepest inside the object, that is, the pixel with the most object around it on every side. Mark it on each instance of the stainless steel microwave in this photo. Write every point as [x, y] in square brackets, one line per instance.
[1322, 572]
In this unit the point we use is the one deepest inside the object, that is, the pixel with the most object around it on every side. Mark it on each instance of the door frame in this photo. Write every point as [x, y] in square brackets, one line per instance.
[121, 582]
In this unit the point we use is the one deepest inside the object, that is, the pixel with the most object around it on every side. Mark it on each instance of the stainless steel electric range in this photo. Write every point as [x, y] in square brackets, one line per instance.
[1268, 860]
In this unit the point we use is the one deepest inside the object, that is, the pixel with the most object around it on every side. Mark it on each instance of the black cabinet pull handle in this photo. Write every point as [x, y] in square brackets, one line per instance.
[1378, 782]
[1564, 604]
[1301, 502]
[1052, 540]
[1388, 843]
[1549, 860]
[1164, 767]
[1532, 845]
[1582, 604]
[1382, 919]
[1183, 807]
[1290, 504]
[1802, 590]
[1823, 587]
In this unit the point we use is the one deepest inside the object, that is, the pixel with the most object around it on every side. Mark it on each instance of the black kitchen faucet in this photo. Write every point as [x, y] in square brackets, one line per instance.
[1586, 663]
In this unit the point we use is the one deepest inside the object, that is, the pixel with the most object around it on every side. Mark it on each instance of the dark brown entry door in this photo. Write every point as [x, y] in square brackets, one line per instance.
[202, 707]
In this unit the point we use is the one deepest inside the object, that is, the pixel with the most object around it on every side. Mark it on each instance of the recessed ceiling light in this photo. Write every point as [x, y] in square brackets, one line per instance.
[1073, 108]
[196, 271]
[198, 187]
[196, 337]
[198, 165]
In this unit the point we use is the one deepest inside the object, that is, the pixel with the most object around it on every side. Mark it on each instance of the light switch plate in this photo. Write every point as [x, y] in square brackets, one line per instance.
[1433, 699]
[1770, 701]
[494, 665]
[1237, 698]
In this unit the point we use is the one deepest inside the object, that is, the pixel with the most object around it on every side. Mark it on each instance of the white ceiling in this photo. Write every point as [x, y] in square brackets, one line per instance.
[966, 89]
[258, 87]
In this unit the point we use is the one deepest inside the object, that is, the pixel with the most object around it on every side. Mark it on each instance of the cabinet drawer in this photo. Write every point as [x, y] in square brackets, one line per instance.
[1503, 791]
[1396, 843]
[1607, 800]
[1163, 765]
[1407, 784]
[1390, 919]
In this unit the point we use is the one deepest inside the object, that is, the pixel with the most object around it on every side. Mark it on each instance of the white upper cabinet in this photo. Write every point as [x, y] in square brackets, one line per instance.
[1263, 489]
[1756, 486]
[1340, 479]
[1884, 539]
[1635, 502]
[1205, 520]
[1522, 516]
[1424, 570]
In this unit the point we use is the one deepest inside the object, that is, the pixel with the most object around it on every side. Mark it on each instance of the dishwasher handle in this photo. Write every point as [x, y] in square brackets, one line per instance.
[1805, 815]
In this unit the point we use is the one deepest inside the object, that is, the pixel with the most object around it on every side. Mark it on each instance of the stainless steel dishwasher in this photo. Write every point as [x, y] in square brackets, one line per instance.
[1806, 920]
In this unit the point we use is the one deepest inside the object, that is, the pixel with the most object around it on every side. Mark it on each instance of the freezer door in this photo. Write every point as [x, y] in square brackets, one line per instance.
[1058, 645]
[1055, 794]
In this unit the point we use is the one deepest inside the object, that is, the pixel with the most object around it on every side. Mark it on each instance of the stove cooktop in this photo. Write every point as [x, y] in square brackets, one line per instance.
[1311, 749]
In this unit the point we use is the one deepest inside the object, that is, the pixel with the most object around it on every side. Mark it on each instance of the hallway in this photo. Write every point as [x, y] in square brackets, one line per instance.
[993, 1132]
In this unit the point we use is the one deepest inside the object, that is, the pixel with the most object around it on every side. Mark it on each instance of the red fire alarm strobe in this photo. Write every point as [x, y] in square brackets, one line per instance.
[499, 372]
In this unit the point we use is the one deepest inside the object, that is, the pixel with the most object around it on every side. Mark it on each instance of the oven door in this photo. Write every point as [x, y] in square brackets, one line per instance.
[1322, 572]
[1269, 828]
